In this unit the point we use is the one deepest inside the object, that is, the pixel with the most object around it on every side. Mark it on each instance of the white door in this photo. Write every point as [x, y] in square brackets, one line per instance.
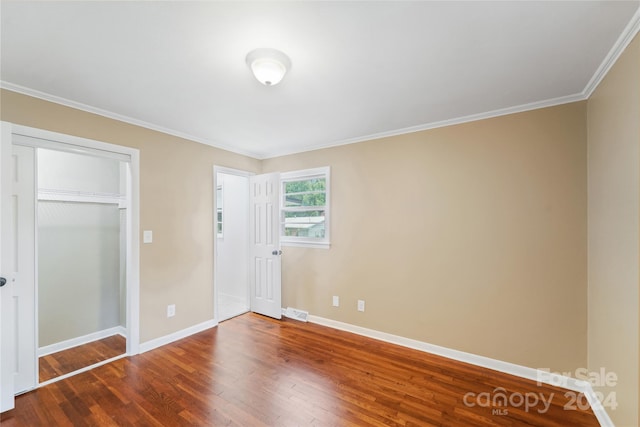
[264, 245]
[19, 362]
[7, 353]
[23, 178]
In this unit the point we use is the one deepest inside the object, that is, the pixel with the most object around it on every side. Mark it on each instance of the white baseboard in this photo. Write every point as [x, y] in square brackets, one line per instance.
[482, 361]
[596, 406]
[85, 339]
[159, 342]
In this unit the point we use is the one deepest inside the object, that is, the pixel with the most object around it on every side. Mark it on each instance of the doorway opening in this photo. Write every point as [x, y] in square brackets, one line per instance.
[247, 265]
[231, 207]
[81, 214]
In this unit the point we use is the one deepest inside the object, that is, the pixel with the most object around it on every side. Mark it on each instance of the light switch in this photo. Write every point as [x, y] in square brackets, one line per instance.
[147, 236]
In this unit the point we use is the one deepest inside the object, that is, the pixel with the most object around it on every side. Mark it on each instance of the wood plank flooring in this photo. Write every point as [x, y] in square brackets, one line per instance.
[66, 361]
[256, 371]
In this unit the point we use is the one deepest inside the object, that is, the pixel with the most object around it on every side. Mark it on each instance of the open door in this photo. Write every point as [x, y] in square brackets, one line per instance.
[6, 261]
[264, 245]
[18, 341]
[23, 284]
[7, 354]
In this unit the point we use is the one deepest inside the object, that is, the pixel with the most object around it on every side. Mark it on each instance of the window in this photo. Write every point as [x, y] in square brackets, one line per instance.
[304, 207]
[219, 210]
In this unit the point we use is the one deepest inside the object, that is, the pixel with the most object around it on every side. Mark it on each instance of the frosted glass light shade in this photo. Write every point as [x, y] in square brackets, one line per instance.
[268, 65]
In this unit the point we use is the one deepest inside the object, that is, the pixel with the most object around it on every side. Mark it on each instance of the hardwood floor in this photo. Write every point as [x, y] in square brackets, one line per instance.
[256, 371]
[66, 361]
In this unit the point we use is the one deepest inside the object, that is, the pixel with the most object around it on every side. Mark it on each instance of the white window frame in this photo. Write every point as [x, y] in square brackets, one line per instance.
[220, 210]
[309, 242]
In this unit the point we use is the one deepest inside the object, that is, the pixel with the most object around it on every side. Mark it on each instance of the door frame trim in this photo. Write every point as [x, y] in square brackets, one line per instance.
[229, 171]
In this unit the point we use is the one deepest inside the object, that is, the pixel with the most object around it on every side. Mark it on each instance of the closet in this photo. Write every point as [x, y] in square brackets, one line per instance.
[81, 253]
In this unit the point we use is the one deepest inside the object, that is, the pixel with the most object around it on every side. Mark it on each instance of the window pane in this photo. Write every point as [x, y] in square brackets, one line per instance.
[219, 201]
[304, 205]
[219, 197]
[312, 184]
[304, 224]
[305, 199]
[307, 192]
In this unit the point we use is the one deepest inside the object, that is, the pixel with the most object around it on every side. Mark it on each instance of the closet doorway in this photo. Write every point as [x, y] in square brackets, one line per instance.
[81, 261]
[231, 226]
[70, 240]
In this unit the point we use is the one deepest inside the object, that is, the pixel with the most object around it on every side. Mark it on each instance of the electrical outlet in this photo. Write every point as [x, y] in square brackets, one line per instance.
[171, 310]
[336, 301]
[360, 305]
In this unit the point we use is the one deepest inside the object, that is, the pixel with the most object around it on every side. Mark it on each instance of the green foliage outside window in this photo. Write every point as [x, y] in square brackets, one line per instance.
[310, 192]
[300, 197]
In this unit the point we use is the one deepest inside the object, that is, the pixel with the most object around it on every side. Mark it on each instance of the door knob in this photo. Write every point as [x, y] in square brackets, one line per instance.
[276, 252]
[3, 281]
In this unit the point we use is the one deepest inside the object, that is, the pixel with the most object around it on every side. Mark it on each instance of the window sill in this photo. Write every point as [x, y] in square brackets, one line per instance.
[306, 244]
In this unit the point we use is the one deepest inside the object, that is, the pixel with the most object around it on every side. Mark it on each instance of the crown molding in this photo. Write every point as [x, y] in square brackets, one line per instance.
[619, 46]
[411, 129]
[439, 124]
[120, 117]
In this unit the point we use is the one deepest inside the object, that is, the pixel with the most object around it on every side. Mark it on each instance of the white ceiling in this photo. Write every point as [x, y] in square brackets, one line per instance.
[359, 69]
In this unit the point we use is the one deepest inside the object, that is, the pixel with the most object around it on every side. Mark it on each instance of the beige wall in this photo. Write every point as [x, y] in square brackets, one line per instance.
[614, 231]
[471, 237]
[176, 198]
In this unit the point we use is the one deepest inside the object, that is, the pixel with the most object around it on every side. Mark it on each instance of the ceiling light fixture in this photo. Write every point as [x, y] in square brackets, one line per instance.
[268, 65]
